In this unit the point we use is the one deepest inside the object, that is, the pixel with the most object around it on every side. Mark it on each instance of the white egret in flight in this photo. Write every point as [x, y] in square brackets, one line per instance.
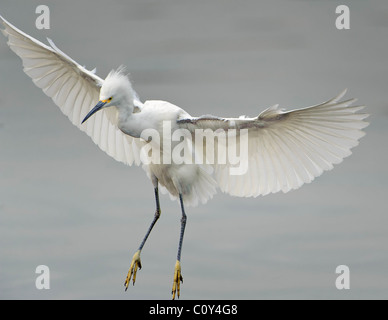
[284, 149]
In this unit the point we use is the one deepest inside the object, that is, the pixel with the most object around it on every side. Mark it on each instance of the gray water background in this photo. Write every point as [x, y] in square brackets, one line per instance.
[66, 204]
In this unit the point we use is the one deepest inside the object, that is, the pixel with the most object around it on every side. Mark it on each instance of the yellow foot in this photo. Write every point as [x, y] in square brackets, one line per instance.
[136, 263]
[177, 280]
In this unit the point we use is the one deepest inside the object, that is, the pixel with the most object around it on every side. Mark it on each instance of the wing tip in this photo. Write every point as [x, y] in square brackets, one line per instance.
[2, 18]
[338, 97]
[343, 92]
[5, 23]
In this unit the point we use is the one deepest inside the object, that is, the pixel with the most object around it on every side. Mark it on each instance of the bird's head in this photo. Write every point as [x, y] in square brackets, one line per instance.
[115, 91]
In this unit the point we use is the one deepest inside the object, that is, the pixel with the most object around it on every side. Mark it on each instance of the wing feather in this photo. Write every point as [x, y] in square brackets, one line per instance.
[287, 148]
[74, 89]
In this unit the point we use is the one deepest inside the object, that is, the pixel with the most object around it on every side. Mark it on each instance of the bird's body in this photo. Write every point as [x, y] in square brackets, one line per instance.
[161, 119]
[145, 118]
[175, 178]
[274, 151]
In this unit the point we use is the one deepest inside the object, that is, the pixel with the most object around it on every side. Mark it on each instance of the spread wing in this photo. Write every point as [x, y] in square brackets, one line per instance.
[284, 149]
[75, 90]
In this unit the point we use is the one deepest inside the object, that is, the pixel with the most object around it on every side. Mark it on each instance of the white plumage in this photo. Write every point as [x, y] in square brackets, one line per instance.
[285, 148]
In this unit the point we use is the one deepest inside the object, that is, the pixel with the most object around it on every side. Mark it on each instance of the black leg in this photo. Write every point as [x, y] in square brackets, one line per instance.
[156, 217]
[177, 273]
[136, 262]
[183, 226]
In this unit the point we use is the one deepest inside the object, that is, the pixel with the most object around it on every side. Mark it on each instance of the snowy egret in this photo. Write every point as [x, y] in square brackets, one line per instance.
[283, 149]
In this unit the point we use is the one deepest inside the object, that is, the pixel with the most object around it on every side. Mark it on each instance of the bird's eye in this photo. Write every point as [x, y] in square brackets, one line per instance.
[110, 99]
